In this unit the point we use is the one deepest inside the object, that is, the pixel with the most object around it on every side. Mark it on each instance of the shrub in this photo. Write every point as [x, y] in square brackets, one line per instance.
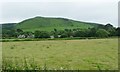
[102, 33]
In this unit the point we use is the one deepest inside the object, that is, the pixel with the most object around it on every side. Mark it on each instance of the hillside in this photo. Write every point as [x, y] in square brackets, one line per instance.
[49, 24]
[7, 26]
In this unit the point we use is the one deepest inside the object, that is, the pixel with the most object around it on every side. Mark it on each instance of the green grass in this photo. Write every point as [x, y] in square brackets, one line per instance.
[48, 24]
[93, 54]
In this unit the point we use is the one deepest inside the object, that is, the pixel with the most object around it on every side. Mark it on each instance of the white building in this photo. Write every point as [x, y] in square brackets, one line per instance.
[21, 36]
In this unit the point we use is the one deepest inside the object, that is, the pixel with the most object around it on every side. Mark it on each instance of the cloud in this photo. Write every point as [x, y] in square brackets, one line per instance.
[100, 11]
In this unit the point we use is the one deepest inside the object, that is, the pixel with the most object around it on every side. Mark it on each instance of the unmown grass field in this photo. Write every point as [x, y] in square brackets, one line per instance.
[86, 54]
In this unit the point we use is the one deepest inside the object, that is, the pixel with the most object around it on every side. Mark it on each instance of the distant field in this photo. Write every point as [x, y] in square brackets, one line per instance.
[93, 54]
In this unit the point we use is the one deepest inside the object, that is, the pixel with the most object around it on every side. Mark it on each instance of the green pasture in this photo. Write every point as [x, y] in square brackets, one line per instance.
[86, 54]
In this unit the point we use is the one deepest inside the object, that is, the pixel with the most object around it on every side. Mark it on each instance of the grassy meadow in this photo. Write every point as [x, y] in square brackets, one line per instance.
[49, 24]
[85, 54]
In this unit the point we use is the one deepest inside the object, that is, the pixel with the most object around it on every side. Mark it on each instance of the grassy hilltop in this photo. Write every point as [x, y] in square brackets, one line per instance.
[49, 24]
[43, 27]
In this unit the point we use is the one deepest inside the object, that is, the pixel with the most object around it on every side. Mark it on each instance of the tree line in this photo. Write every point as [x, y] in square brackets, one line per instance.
[102, 31]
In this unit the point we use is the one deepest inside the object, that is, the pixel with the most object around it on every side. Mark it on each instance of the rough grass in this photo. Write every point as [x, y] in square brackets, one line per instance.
[48, 24]
[94, 54]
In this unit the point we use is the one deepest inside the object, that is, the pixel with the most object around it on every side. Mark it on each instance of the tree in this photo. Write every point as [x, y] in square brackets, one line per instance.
[102, 33]
[87, 33]
[79, 34]
[64, 35]
[37, 34]
[55, 30]
[110, 29]
[9, 33]
[92, 32]
[41, 34]
[108, 25]
[45, 34]
[118, 31]
[19, 30]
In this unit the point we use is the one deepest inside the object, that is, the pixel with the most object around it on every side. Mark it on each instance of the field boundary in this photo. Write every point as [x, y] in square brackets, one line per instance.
[47, 39]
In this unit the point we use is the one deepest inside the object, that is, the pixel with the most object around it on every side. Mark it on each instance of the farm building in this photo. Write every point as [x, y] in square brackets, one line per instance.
[26, 36]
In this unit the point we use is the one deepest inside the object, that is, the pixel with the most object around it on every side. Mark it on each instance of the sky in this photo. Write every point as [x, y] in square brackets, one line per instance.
[97, 11]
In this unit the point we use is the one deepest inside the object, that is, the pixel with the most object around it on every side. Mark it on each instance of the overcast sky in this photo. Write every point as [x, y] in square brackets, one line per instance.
[98, 11]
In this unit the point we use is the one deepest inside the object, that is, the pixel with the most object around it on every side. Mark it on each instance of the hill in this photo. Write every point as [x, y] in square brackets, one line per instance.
[7, 26]
[53, 26]
[49, 24]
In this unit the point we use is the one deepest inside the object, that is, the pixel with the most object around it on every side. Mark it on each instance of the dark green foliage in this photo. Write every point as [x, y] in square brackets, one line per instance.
[55, 30]
[8, 33]
[8, 26]
[8, 30]
[79, 34]
[92, 32]
[19, 30]
[42, 27]
[64, 35]
[102, 33]
[41, 34]
[118, 31]
[110, 29]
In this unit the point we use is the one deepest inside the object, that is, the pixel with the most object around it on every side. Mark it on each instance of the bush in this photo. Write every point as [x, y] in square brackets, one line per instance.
[102, 33]
[41, 34]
